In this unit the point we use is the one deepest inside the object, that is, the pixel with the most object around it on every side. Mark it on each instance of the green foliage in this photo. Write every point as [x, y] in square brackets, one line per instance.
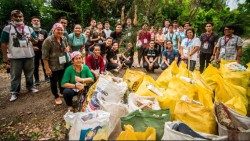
[246, 55]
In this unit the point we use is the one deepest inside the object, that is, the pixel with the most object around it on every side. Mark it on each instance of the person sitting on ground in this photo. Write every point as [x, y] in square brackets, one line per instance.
[168, 55]
[113, 59]
[128, 56]
[95, 62]
[75, 78]
[150, 57]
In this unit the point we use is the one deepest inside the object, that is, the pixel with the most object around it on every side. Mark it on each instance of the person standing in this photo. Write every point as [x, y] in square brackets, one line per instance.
[54, 57]
[17, 38]
[229, 46]
[77, 39]
[107, 29]
[42, 35]
[172, 36]
[208, 41]
[189, 49]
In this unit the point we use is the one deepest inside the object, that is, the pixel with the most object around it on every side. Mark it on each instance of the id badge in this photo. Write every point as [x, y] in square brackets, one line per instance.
[185, 52]
[222, 51]
[205, 45]
[145, 41]
[40, 37]
[129, 34]
[62, 60]
[23, 43]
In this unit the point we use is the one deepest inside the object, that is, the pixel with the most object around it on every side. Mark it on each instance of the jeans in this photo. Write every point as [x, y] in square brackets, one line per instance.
[192, 65]
[38, 59]
[204, 58]
[17, 66]
[55, 82]
[68, 95]
[164, 66]
[140, 54]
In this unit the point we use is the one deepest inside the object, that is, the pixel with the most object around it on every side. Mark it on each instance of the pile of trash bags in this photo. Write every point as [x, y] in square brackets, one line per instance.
[178, 105]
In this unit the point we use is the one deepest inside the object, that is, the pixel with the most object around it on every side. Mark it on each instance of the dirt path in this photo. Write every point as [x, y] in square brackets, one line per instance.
[32, 116]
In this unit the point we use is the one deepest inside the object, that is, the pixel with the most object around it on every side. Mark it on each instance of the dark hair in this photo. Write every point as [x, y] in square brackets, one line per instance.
[192, 29]
[209, 23]
[106, 22]
[96, 45]
[187, 23]
[170, 25]
[35, 17]
[118, 24]
[168, 41]
[62, 18]
[115, 43]
[175, 21]
[109, 38]
[15, 12]
[230, 26]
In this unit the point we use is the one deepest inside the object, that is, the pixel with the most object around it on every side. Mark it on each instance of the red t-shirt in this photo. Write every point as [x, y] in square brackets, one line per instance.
[95, 63]
[145, 38]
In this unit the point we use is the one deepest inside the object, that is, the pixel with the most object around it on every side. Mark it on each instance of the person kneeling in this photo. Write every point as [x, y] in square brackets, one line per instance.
[168, 55]
[95, 62]
[150, 57]
[75, 78]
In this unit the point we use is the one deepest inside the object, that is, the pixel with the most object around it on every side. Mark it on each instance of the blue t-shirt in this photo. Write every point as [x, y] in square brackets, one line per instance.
[170, 55]
[75, 42]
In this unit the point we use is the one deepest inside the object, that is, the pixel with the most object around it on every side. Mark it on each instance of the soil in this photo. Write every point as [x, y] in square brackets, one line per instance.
[33, 116]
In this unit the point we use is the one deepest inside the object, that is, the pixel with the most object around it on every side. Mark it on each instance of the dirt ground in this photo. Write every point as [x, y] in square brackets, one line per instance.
[33, 116]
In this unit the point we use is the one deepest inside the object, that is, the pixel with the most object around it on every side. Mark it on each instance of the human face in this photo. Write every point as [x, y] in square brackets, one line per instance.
[151, 44]
[145, 27]
[186, 26]
[228, 31]
[87, 32]
[129, 21]
[64, 22]
[97, 51]
[118, 28]
[175, 25]
[170, 28]
[209, 27]
[78, 29]
[78, 60]
[109, 42]
[93, 23]
[58, 32]
[115, 46]
[107, 26]
[190, 34]
[169, 45]
[99, 26]
[181, 29]
[129, 45]
[18, 18]
[166, 23]
[36, 22]
[160, 30]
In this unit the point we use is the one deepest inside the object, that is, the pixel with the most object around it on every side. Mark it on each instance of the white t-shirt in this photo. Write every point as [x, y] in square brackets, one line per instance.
[188, 46]
[107, 32]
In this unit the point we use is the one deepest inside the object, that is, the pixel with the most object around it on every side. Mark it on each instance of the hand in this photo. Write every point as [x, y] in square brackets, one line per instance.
[67, 49]
[123, 8]
[212, 58]
[36, 48]
[48, 72]
[135, 8]
[79, 86]
[78, 79]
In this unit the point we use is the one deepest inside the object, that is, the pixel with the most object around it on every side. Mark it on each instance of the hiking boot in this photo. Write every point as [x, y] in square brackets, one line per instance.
[58, 101]
[33, 90]
[13, 97]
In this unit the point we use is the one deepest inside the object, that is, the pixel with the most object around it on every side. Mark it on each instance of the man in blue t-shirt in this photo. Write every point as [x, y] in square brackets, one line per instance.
[168, 55]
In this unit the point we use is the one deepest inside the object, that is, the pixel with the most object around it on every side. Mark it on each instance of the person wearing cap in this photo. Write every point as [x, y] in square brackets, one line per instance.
[75, 78]
[17, 38]
[229, 46]
[54, 50]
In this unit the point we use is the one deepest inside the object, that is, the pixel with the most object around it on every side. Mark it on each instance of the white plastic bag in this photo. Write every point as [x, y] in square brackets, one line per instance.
[88, 126]
[109, 89]
[137, 102]
[170, 134]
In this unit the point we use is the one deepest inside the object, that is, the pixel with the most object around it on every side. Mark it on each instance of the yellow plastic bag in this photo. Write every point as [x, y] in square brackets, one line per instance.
[149, 87]
[208, 75]
[198, 117]
[167, 74]
[183, 70]
[130, 134]
[226, 91]
[133, 78]
[237, 104]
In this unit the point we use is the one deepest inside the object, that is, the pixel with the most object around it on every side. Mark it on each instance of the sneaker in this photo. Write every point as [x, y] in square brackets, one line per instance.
[33, 90]
[37, 83]
[58, 101]
[13, 97]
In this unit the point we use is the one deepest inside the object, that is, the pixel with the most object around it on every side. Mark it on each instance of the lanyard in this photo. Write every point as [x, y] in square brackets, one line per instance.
[226, 41]
[208, 37]
[96, 63]
[188, 42]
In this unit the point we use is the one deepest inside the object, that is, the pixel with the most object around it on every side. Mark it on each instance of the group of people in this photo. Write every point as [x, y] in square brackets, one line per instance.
[72, 61]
